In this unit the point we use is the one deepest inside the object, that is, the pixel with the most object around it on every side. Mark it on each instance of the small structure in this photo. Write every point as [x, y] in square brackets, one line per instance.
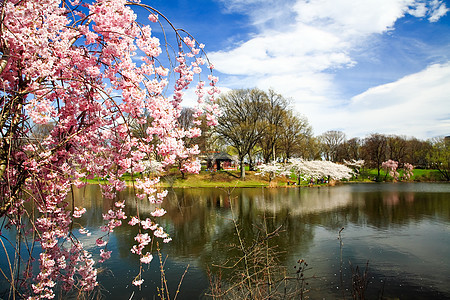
[221, 161]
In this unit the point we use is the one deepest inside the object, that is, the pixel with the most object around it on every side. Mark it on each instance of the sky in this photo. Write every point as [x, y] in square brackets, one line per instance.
[361, 67]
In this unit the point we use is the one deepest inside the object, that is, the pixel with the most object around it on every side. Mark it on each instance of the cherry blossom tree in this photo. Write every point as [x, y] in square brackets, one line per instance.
[390, 166]
[272, 170]
[85, 70]
[317, 169]
[299, 167]
[407, 171]
[356, 165]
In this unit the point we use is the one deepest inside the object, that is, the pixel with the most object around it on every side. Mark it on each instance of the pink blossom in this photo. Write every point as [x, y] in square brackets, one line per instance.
[136, 250]
[100, 242]
[160, 233]
[153, 18]
[138, 282]
[158, 212]
[161, 71]
[391, 167]
[104, 255]
[87, 55]
[143, 239]
[84, 231]
[162, 195]
[147, 258]
[120, 204]
[79, 212]
[146, 224]
[133, 221]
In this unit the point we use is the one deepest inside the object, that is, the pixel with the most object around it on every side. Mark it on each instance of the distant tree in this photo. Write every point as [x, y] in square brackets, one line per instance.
[440, 156]
[396, 148]
[349, 150]
[374, 151]
[276, 109]
[253, 156]
[313, 150]
[195, 140]
[139, 129]
[39, 132]
[241, 124]
[205, 140]
[295, 139]
[330, 144]
[299, 167]
[417, 152]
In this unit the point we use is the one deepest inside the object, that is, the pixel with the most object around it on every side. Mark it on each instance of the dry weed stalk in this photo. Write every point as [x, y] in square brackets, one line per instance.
[257, 273]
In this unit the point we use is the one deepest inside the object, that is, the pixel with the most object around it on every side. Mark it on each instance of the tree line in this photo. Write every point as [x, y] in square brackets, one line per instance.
[259, 126]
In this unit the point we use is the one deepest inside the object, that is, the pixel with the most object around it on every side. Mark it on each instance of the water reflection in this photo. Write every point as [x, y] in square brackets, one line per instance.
[402, 229]
[398, 228]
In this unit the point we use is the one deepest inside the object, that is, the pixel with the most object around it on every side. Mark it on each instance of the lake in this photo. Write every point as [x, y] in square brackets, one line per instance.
[401, 231]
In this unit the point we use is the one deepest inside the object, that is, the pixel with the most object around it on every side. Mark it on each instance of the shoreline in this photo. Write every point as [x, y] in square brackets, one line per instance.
[227, 179]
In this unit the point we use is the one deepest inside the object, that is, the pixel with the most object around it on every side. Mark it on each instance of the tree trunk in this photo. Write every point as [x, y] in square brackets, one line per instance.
[242, 169]
[251, 166]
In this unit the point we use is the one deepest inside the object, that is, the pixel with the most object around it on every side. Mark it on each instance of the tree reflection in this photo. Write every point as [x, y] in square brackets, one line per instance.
[200, 221]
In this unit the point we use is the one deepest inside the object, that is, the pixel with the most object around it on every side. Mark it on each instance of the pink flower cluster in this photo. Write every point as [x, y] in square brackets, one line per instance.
[114, 218]
[407, 171]
[71, 67]
[79, 212]
[391, 167]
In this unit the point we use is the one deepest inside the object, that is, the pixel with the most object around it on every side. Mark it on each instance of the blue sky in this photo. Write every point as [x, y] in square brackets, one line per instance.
[367, 66]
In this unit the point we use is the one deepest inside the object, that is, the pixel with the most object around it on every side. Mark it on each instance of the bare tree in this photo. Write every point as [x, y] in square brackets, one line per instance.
[295, 137]
[330, 142]
[277, 107]
[349, 150]
[375, 151]
[397, 146]
[418, 153]
[241, 123]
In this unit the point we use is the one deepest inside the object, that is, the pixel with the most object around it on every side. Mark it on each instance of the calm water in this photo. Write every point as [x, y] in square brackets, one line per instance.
[402, 230]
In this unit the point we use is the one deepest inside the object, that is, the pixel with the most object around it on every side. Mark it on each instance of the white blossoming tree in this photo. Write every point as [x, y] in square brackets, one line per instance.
[356, 165]
[272, 170]
[316, 169]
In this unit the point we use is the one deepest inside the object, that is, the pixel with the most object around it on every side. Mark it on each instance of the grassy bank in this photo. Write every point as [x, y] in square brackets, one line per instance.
[231, 179]
[420, 175]
[216, 179]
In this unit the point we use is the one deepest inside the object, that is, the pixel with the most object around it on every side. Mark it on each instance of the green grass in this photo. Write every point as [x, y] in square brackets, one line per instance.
[223, 179]
[427, 175]
[215, 179]
[418, 175]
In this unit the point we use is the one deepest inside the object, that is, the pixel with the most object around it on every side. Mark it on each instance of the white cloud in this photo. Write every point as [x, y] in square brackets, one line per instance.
[416, 105]
[352, 17]
[305, 49]
[262, 13]
[418, 10]
[297, 51]
[318, 39]
[437, 10]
